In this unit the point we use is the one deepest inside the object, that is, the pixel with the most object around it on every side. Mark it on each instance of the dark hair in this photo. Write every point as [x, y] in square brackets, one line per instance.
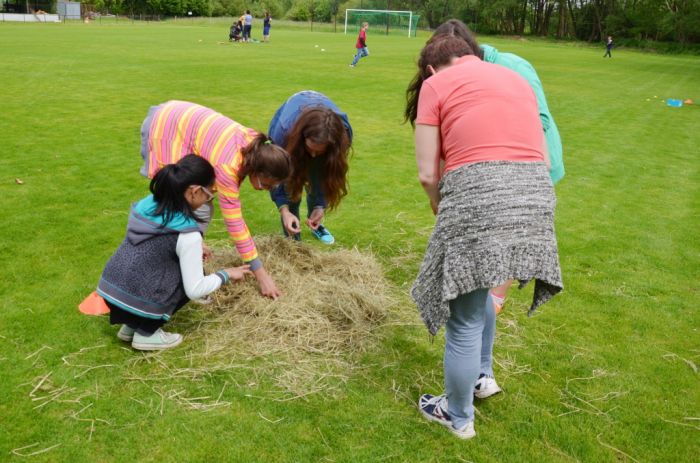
[460, 30]
[263, 158]
[323, 126]
[247, 11]
[451, 28]
[170, 183]
[441, 50]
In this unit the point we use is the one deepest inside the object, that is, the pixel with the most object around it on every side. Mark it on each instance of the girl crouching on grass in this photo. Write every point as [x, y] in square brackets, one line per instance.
[158, 267]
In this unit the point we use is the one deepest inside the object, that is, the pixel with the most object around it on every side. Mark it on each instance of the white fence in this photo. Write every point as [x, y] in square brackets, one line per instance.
[29, 18]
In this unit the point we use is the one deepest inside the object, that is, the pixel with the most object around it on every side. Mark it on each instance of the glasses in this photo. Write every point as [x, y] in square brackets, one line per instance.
[209, 194]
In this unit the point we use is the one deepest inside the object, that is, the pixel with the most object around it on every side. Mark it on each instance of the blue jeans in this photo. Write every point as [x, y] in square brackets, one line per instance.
[487, 338]
[463, 351]
[361, 53]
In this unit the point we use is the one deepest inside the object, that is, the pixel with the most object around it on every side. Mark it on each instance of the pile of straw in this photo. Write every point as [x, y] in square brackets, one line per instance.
[307, 340]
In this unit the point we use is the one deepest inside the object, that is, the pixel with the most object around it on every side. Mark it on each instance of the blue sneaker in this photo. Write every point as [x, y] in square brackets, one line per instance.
[322, 234]
[434, 408]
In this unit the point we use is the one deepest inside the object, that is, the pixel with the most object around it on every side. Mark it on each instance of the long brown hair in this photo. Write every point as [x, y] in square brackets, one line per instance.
[264, 159]
[321, 126]
[454, 28]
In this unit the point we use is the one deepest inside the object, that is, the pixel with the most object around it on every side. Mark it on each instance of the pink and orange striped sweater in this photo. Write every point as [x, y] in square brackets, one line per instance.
[179, 128]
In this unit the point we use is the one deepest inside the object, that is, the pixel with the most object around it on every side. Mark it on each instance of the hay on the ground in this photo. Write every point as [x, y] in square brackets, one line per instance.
[308, 338]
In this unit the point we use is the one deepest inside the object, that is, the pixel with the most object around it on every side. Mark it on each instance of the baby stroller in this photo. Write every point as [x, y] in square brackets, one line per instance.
[234, 34]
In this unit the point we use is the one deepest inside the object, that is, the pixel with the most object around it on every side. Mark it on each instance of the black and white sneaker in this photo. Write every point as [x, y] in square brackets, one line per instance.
[486, 386]
[434, 408]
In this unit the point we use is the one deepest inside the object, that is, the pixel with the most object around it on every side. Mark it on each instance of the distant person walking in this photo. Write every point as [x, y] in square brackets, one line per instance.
[361, 45]
[247, 25]
[608, 48]
[267, 23]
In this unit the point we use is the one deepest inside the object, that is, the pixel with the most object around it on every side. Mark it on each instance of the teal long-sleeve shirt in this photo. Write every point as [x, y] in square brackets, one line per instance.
[551, 132]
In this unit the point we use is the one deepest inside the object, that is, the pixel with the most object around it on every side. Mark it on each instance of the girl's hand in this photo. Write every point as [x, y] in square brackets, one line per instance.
[315, 218]
[290, 221]
[238, 273]
[206, 252]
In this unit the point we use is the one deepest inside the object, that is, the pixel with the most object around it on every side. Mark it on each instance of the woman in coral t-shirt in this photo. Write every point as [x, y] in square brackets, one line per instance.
[482, 162]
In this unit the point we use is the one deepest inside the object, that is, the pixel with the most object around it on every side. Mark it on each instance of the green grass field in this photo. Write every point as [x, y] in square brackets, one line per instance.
[606, 372]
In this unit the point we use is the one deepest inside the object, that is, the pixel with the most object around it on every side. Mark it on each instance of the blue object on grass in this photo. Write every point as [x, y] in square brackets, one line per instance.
[674, 103]
[323, 234]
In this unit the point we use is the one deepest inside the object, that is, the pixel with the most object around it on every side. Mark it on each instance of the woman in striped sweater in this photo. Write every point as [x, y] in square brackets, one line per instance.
[177, 128]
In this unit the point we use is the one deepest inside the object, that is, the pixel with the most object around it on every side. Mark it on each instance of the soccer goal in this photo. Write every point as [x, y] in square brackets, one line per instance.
[389, 21]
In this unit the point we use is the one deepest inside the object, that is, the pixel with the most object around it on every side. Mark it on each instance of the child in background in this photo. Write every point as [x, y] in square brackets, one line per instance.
[267, 23]
[608, 47]
[361, 45]
[158, 267]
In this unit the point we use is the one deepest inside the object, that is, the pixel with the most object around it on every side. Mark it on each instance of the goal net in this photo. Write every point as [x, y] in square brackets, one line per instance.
[383, 21]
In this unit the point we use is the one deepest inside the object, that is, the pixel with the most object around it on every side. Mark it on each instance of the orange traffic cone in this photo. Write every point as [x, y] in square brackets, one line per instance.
[93, 305]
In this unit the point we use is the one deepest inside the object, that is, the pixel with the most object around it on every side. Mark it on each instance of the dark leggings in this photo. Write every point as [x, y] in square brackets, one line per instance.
[145, 326]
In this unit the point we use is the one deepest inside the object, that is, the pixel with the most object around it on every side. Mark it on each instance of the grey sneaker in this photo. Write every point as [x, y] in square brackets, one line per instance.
[126, 334]
[159, 340]
[486, 386]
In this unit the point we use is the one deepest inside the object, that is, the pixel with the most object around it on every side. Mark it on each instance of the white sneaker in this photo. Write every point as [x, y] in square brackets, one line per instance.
[486, 387]
[159, 340]
[126, 334]
[434, 408]
[467, 432]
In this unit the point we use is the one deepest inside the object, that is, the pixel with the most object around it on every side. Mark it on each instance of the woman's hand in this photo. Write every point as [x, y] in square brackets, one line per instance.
[434, 206]
[290, 221]
[238, 273]
[315, 218]
[267, 285]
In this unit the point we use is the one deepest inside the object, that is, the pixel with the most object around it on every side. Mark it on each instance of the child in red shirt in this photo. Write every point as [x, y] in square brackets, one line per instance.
[361, 44]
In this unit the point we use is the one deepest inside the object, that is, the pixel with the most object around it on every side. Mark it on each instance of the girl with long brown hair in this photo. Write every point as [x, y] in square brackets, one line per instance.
[318, 136]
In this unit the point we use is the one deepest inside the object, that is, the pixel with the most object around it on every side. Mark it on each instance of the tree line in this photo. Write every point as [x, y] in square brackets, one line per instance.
[633, 21]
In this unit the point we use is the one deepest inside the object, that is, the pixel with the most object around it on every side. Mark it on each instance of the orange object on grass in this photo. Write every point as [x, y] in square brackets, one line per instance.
[93, 305]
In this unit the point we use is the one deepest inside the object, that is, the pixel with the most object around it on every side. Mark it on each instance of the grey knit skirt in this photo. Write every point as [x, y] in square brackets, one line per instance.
[495, 223]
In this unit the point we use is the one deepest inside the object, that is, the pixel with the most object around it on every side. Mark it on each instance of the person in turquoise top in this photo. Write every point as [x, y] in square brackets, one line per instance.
[551, 132]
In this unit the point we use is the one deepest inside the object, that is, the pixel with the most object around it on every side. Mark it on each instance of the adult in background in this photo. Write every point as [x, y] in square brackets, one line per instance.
[267, 23]
[486, 385]
[317, 135]
[177, 128]
[234, 34]
[481, 122]
[247, 25]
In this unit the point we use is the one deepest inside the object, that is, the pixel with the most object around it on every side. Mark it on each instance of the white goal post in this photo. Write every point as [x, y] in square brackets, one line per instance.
[400, 13]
